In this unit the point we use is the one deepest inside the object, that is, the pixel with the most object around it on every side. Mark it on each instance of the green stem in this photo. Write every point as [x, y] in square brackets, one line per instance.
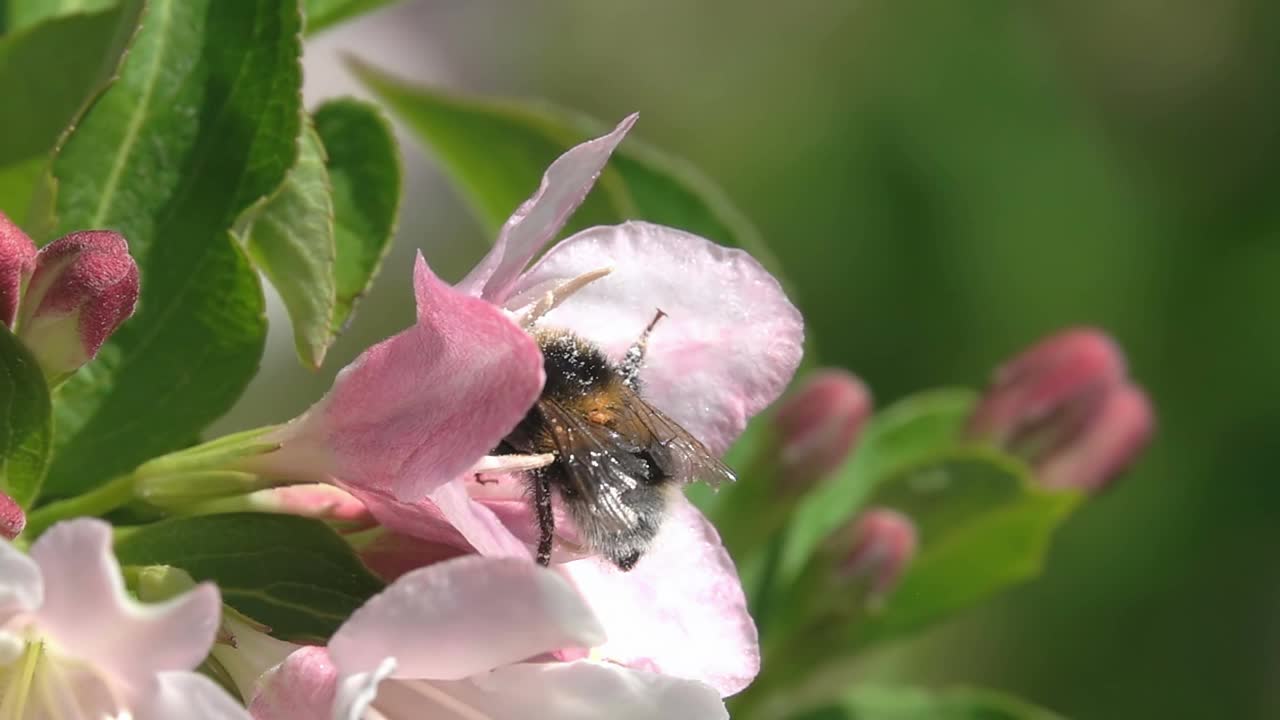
[103, 499]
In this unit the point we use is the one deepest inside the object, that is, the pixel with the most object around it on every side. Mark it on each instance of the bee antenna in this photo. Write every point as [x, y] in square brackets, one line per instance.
[631, 362]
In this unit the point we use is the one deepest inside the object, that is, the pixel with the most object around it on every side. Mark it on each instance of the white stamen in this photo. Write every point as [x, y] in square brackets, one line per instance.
[553, 297]
[490, 464]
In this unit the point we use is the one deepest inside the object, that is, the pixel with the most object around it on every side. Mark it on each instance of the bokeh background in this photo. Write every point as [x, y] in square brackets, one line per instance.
[945, 182]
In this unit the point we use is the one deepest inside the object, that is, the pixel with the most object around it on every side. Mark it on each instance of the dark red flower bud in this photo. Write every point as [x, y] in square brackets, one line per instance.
[17, 260]
[84, 286]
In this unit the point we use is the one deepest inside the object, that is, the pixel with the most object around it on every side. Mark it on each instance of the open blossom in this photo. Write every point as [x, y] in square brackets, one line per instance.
[472, 638]
[409, 426]
[73, 644]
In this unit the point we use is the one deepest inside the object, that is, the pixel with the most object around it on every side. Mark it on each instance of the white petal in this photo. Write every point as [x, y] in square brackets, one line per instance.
[464, 616]
[681, 611]
[581, 690]
[730, 341]
[89, 615]
[21, 588]
[191, 696]
[564, 186]
[357, 692]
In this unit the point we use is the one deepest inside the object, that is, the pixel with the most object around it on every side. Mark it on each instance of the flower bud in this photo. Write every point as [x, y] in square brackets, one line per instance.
[1118, 432]
[818, 425]
[17, 259]
[12, 519]
[84, 285]
[1066, 406]
[879, 545]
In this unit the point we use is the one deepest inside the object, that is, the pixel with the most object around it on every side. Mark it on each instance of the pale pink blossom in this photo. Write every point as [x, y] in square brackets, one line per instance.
[75, 645]
[472, 639]
[407, 428]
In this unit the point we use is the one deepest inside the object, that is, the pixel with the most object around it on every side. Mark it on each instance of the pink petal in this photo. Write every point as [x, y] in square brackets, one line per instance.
[21, 588]
[419, 409]
[477, 523]
[491, 516]
[730, 342]
[303, 686]
[421, 519]
[76, 562]
[313, 500]
[391, 554]
[681, 610]
[464, 616]
[580, 690]
[17, 260]
[564, 186]
[191, 696]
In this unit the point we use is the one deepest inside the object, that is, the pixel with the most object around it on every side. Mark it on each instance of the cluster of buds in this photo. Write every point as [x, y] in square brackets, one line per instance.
[64, 300]
[1067, 406]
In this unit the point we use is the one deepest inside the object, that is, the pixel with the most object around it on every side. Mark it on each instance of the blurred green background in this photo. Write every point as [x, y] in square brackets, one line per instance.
[945, 182]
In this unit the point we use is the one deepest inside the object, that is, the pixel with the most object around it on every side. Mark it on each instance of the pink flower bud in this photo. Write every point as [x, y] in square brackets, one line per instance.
[12, 519]
[881, 544]
[819, 423]
[17, 260]
[84, 285]
[1068, 408]
[1118, 432]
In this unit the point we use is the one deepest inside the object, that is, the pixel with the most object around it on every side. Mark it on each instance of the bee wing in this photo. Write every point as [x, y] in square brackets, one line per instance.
[676, 452]
[598, 463]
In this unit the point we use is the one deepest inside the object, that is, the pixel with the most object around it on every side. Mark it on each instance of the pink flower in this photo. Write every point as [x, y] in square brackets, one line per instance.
[407, 427]
[472, 638]
[74, 644]
[74, 294]
[1067, 405]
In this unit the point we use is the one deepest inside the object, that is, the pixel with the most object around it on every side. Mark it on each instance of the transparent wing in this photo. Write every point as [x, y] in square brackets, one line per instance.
[677, 453]
[599, 465]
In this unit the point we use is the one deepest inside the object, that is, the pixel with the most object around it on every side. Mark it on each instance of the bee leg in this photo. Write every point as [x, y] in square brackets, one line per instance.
[634, 358]
[546, 520]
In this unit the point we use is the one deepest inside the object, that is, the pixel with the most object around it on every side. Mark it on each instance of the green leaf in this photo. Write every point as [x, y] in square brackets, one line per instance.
[22, 14]
[293, 574]
[906, 433]
[80, 51]
[202, 123]
[982, 525]
[26, 421]
[901, 703]
[364, 170]
[497, 151]
[290, 237]
[324, 13]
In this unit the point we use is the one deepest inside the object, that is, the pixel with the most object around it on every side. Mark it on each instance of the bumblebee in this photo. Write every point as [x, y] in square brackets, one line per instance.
[617, 458]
